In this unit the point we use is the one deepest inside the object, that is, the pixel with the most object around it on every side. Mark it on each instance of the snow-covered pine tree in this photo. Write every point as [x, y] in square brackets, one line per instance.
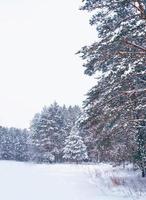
[45, 128]
[20, 146]
[89, 137]
[49, 131]
[14, 144]
[75, 149]
[4, 144]
[71, 115]
[116, 105]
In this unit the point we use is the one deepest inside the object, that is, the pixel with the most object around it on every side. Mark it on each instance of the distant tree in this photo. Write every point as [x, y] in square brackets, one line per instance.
[14, 144]
[20, 146]
[49, 130]
[75, 149]
[44, 129]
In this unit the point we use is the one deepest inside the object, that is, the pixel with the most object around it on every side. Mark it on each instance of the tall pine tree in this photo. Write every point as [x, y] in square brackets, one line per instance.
[116, 105]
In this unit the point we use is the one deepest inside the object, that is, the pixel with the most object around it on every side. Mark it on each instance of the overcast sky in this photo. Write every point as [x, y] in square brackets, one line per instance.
[38, 65]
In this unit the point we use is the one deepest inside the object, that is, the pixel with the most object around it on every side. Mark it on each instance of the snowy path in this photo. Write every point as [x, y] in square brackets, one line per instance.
[45, 182]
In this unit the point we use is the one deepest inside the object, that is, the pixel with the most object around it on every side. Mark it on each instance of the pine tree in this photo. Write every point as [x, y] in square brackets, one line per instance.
[45, 128]
[75, 149]
[14, 144]
[49, 130]
[115, 107]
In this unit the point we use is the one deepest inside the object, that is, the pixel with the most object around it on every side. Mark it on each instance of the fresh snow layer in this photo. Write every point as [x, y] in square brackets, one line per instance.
[19, 181]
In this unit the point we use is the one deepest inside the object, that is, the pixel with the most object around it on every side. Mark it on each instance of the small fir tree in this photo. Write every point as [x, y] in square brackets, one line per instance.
[75, 149]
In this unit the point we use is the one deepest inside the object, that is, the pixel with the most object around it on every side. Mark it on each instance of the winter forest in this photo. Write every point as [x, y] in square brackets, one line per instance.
[52, 137]
[110, 126]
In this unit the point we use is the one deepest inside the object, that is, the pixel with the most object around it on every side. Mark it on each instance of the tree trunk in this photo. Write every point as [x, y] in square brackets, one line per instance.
[143, 173]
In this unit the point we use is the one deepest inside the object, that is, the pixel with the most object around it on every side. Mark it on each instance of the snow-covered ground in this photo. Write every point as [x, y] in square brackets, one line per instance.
[118, 183]
[19, 181]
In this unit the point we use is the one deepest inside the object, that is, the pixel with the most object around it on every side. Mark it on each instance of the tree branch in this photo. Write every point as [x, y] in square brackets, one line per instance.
[135, 45]
[130, 52]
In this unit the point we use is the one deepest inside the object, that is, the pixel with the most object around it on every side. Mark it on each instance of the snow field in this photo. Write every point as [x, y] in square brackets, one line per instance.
[68, 182]
[44, 182]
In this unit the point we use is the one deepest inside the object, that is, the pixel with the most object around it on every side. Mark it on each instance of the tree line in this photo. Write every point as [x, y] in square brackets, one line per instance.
[14, 144]
[53, 137]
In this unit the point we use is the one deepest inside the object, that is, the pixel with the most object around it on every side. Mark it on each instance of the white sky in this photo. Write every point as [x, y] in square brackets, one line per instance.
[38, 65]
